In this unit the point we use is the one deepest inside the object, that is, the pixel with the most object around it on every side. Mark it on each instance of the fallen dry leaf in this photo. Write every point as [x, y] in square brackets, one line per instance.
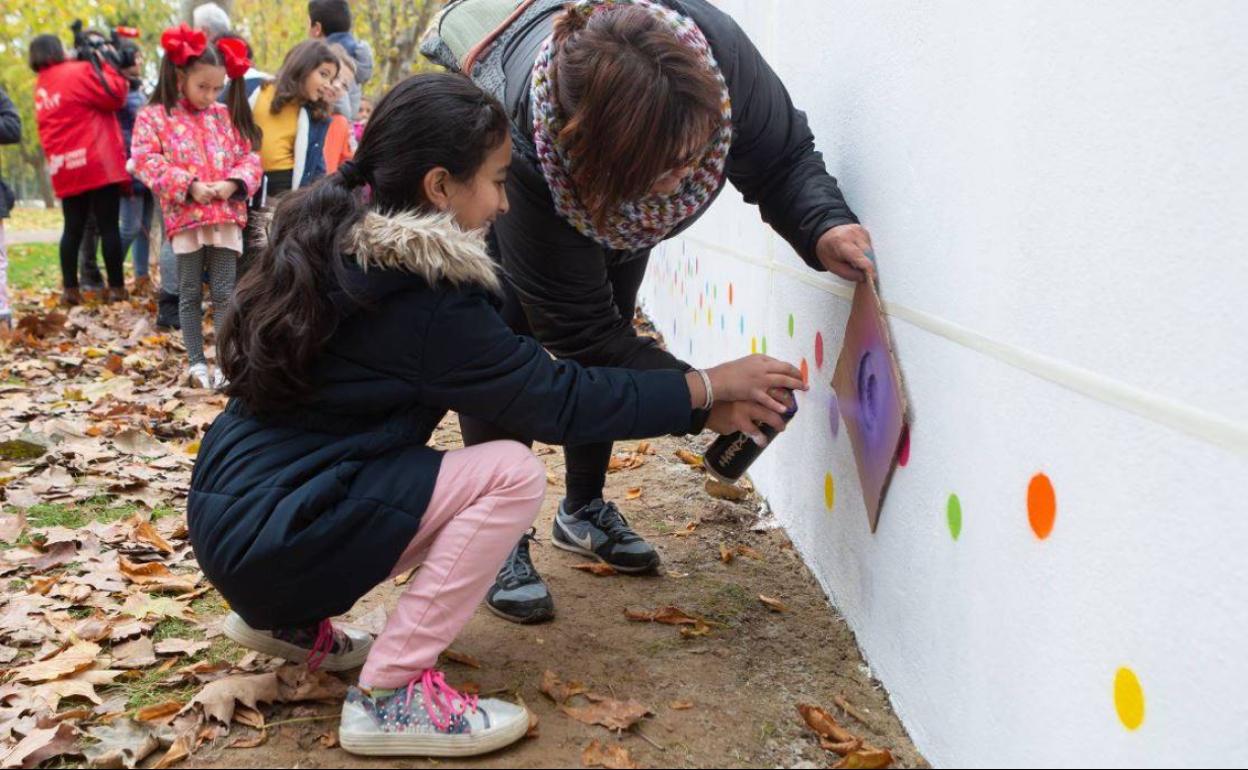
[601, 569]
[672, 616]
[42, 744]
[722, 491]
[159, 711]
[701, 628]
[177, 752]
[680, 705]
[608, 712]
[249, 717]
[462, 658]
[633, 493]
[866, 757]
[138, 653]
[612, 756]
[773, 604]
[12, 526]
[121, 743]
[644, 448]
[558, 690]
[725, 555]
[186, 647]
[745, 550]
[824, 724]
[145, 532]
[219, 699]
[689, 458]
[77, 657]
[252, 742]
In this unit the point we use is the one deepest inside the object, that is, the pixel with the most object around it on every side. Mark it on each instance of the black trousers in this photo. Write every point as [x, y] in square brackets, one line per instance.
[104, 205]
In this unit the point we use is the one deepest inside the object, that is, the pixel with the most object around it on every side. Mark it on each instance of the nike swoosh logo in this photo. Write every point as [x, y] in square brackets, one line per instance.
[587, 542]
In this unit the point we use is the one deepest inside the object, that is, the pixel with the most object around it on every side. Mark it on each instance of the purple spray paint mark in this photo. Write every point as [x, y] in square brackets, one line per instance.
[834, 416]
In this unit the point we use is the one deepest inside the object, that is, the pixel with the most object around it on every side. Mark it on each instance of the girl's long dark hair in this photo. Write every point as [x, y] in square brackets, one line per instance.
[300, 62]
[282, 314]
[167, 93]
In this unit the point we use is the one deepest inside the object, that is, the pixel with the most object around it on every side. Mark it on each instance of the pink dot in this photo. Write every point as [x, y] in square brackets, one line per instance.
[903, 455]
[818, 350]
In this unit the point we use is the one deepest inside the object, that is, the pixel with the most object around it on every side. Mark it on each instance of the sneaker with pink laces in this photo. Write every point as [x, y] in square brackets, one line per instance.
[322, 645]
[428, 718]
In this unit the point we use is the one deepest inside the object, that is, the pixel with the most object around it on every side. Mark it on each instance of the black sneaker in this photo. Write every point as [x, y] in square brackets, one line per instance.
[518, 593]
[167, 312]
[600, 531]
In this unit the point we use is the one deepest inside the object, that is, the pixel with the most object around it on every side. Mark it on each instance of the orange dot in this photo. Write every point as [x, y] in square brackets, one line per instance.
[729, 294]
[805, 372]
[1041, 505]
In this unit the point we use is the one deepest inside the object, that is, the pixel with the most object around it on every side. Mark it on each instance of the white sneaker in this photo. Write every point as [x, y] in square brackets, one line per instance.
[433, 721]
[218, 379]
[199, 376]
[341, 649]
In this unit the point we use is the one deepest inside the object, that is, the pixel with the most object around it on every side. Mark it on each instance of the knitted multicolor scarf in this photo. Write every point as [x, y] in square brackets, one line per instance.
[642, 223]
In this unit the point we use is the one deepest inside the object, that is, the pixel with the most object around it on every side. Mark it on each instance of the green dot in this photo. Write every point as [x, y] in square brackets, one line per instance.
[953, 511]
[790, 324]
[764, 346]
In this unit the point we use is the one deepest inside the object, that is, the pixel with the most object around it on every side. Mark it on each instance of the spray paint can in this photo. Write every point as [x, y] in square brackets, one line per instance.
[729, 457]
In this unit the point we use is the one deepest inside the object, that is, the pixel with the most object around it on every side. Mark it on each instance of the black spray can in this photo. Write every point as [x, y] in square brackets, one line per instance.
[729, 457]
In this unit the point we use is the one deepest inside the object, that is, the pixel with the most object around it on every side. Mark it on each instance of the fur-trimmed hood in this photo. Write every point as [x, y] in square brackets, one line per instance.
[429, 245]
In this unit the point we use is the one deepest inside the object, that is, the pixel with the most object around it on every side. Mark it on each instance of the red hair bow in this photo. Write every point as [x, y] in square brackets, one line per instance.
[181, 43]
[234, 51]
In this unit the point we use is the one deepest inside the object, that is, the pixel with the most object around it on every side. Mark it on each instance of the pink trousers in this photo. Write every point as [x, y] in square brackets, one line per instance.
[485, 497]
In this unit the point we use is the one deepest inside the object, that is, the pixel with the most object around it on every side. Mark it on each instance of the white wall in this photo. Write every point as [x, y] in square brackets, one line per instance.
[1058, 194]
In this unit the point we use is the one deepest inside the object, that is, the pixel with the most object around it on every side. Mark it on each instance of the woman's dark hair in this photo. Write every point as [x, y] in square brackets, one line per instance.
[167, 92]
[300, 62]
[46, 51]
[282, 314]
[636, 103]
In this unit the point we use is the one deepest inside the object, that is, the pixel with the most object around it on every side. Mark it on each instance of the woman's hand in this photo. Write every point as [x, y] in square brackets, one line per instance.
[749, 379]
[845, 250]
[745, 416]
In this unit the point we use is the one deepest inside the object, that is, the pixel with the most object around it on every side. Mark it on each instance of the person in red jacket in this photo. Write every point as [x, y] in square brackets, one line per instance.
[76, 104]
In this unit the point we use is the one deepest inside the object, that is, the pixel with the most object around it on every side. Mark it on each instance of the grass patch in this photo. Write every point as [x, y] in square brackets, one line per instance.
[31, 218]
[102, 508]
[34, 265]
[726, 602]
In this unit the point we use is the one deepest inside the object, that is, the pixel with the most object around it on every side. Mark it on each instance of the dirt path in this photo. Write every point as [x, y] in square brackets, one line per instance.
[743, 679]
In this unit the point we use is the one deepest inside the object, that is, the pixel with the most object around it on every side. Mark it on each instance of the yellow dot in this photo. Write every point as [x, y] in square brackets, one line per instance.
[753, 344]
[829, 491]
[1129, 698]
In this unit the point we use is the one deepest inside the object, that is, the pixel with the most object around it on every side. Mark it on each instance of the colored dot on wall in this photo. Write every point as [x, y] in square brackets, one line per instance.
[1129, 698]
[764, 346]
[805, 372]
[818, 350]
[953, 513]
[723, 322]
[743, 325]
[903, 454]
[834, 416]
[790, 324]
[753, 344]
[710, 317]
[715, 291]
[1041, 505]
[729, 294]
[829, 491]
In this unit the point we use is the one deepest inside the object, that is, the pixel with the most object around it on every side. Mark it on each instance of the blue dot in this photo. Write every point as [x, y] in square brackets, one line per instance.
[723, 323]
[690, 347]
[742, 323]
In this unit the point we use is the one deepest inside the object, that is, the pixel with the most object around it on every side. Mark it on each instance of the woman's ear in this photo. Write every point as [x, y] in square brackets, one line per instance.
[436, 188]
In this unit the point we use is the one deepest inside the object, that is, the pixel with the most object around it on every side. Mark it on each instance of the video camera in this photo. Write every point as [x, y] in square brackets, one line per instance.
[92, 46]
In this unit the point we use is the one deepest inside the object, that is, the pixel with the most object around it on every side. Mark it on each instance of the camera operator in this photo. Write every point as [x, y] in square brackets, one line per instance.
[76, 104]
